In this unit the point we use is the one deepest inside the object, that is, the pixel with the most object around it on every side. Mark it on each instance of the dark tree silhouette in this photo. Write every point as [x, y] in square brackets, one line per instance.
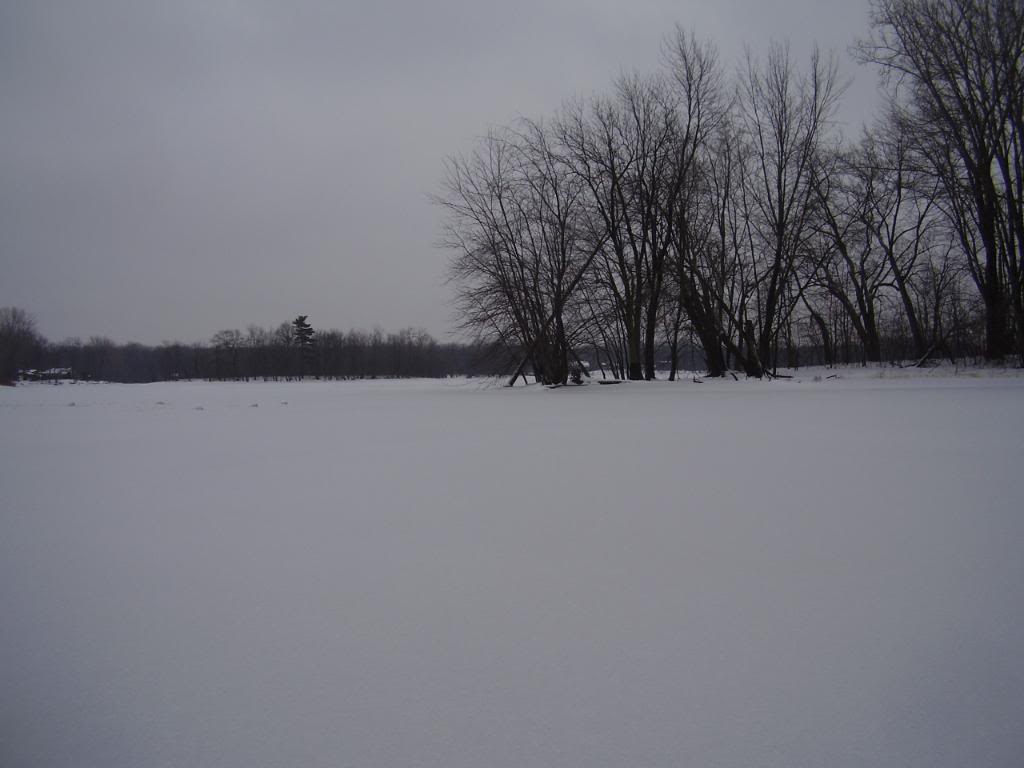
[20, 344]
[304, 340]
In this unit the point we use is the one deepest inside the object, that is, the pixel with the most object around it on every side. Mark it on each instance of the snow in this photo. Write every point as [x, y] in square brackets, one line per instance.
[382, 574]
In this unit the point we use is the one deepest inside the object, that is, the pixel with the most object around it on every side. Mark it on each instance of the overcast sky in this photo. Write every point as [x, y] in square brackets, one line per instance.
[171, 169]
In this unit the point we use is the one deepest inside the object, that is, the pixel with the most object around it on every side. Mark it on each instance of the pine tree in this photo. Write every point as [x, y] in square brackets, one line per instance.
[303, 335]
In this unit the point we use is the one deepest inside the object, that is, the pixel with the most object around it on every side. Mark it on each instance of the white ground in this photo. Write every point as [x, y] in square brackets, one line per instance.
[406, 574]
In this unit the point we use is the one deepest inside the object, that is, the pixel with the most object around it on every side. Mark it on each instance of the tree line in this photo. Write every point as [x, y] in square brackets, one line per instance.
[686, 205]
[292, 350]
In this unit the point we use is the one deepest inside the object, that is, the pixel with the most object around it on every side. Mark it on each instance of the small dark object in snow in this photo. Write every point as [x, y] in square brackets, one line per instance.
[609, 381]
[200, 408]
[160, 402]
[255, 405]
[71, 404]
[284, 402]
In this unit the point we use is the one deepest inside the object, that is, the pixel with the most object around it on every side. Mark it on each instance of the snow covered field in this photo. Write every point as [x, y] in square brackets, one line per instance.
[405, 574]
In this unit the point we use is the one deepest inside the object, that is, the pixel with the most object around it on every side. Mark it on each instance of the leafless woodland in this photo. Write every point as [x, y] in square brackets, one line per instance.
[728, 212]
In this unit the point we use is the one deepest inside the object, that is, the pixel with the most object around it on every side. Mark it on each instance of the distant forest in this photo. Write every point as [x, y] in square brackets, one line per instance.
[693, 203]
[291, 350]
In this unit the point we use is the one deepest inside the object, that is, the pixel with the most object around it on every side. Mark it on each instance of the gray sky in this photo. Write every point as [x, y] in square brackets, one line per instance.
[171, 169]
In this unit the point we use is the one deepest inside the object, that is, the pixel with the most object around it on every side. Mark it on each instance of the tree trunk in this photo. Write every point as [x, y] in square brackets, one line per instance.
[826, 339]
[714, 359]
[752, 362]
[635, 370]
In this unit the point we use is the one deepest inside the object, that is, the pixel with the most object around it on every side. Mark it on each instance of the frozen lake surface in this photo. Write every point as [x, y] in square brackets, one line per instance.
[439, 574]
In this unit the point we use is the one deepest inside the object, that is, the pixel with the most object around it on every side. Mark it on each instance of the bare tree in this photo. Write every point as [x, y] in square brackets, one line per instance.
[228, 345]
[698, 257]
[625, 149]
[955, 67]
[844, 258]
[20, 343]
[521, 241]
[786, 115]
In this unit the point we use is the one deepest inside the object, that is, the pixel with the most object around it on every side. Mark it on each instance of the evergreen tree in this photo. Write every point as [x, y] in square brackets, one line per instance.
[303, 335]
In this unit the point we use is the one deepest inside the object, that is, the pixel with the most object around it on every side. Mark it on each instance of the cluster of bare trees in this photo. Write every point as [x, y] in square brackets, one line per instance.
[289, 351]
[20, 342]
[688, 205]
[957, 69]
